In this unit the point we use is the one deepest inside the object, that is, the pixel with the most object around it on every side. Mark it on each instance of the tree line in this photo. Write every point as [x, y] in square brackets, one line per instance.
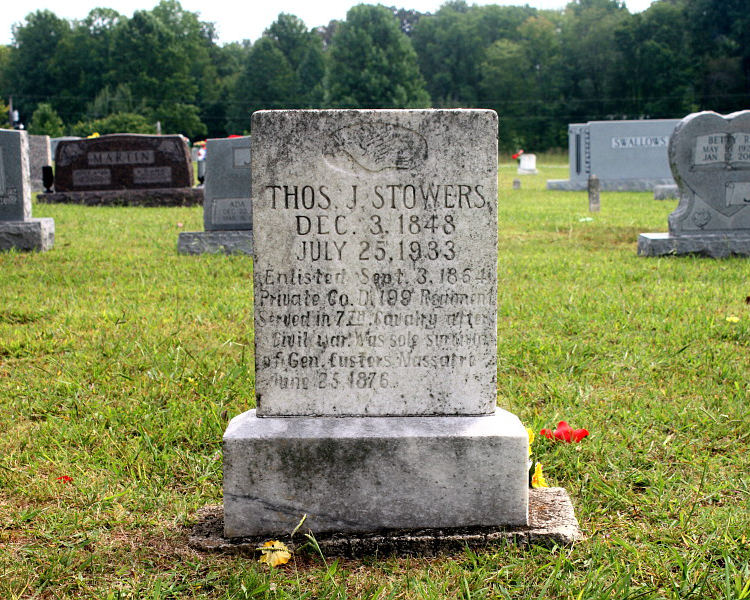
[539, 69]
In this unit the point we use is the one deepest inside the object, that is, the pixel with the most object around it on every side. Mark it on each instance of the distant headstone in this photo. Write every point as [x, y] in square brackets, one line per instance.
[40, 155]
[15, 190]
[516, 184]
[666, 192]
[17, 228]
[375, 329]
[227, 208]
[710, 158]
[226, 202]
[594, 198]
[527, 164]
[124, 169]
[117, 162]
[625, 155]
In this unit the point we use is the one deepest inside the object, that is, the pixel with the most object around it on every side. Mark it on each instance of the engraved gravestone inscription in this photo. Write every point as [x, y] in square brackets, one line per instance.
[375, 262]
[118, 162]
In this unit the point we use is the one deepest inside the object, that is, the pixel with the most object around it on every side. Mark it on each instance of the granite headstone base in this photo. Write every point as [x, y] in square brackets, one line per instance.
[145, 197]
[33, 235]
[552, 522]
[365, 474]
[608, 185]
[216, 242]
[714, 245]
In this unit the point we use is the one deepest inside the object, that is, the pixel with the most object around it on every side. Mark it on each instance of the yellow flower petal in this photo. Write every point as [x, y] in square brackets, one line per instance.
[275, 553]
[732, 319]
[531, 438]
[537, 479]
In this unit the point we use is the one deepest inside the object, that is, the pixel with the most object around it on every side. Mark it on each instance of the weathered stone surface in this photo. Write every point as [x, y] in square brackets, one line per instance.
[625, 155]
[375, 300]
[552, 521]
[123, 161]
[15, 188]
[710, 159]
[40, 155]
[366, 473]
[148, 197]
[216, 242]
[227, 205]
[595, 204]
[33, 235]
[666, 192]
[375, 245]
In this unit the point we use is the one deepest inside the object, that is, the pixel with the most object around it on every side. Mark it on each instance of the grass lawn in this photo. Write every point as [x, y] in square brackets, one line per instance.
[121, 363]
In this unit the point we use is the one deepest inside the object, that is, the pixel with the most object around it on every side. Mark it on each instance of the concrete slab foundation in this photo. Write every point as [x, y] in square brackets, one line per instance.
[216, 242]
[715, 245]
[33, 235]
[552, 521]
[145, 197]
[365, 474]
[608, 185]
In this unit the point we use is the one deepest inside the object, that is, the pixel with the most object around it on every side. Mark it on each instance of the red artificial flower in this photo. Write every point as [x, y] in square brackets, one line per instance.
[65, 478]
[564, 433]
[517, 154]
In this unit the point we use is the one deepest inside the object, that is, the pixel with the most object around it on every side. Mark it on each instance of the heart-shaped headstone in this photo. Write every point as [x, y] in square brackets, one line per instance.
[709, 155]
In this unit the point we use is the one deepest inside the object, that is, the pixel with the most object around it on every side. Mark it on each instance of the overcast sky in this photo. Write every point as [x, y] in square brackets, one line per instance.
[237, 19]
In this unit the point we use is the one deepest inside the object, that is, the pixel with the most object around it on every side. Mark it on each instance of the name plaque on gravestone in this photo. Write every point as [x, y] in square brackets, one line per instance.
[15, 187]
[375, 262]
[120, 161]
[228, 188]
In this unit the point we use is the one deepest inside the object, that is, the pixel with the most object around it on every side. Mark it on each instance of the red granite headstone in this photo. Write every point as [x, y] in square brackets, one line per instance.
[123, 162]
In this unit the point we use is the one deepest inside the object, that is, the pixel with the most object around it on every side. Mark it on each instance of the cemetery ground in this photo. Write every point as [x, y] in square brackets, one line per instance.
[121, 363]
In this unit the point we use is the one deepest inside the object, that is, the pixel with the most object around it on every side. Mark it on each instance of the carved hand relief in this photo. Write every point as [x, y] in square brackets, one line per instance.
[69, 153]
[710, 155]
[170, 150]
[375, 147]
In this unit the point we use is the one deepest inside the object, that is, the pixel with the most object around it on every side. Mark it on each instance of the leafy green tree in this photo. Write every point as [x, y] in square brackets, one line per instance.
[655, 75]
[216, 107]
[109, 101]
[268, 82]
[452, 45]
[284, 69]
[590, 58]
[4, 122]
[84, 59]
[46, 121]
[303, 51]
[115, 123]
[31, 65]
[176, 117]
[373, 64]
[719, 35]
